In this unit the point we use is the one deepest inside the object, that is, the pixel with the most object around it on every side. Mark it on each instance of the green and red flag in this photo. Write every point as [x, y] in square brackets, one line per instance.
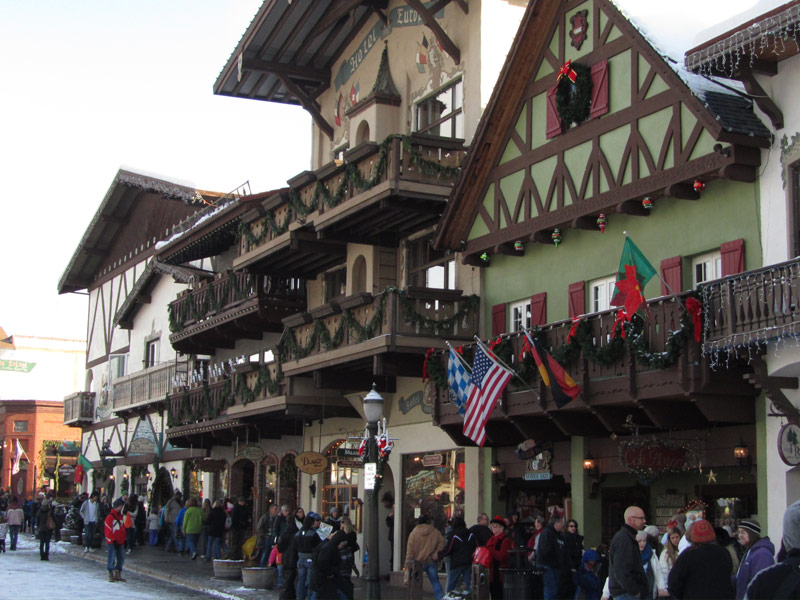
[633, 274]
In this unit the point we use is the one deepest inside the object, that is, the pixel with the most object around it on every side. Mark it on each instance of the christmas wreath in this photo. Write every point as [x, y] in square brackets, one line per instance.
[574, 93]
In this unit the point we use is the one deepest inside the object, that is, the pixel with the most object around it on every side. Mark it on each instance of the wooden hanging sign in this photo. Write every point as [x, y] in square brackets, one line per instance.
[311, 462]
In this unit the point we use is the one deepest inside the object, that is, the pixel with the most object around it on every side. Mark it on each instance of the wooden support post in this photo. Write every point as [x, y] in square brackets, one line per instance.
[479, 586]
[415, 573]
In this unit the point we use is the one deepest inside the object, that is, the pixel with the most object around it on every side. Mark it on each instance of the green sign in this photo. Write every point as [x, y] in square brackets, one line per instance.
[18, 366]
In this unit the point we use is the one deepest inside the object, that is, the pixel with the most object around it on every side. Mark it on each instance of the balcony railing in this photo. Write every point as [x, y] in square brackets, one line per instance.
[396, 164]
[149, 385]
[79, 408]
[211, 399]
[393, 319]
[231, 291]
[752, 307]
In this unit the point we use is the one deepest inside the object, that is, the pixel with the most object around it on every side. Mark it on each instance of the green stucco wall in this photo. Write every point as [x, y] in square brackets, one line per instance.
[726, 211]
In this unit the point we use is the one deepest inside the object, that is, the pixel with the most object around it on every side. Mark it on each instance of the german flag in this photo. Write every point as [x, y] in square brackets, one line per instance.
[562, 386]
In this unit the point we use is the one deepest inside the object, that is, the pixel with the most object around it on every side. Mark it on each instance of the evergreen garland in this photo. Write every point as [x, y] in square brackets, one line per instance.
[264, 381]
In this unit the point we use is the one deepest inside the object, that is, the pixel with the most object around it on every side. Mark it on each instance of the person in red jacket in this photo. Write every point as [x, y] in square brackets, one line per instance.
[115, 541]
[499, 545]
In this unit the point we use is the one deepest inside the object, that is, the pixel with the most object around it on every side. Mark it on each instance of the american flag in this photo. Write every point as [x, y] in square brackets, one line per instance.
[489, 379]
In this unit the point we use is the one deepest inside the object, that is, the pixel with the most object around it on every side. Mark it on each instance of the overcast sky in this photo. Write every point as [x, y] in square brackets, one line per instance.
[89, 86]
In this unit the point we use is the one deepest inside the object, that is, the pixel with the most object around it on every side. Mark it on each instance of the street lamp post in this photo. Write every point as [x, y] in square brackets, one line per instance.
[373, 411]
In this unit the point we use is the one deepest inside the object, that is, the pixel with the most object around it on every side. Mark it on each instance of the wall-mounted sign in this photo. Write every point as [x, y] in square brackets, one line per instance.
[18, 366]
[346, 452]
[370, 471]
[311, 462]
[251, 452]
[537, 475]
[789, 444]
[350, 463]
[432, 460]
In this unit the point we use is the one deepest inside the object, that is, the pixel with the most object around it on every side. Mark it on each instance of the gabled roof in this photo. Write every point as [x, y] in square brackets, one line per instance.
[722, 112]
[156, 204]
[140, 291]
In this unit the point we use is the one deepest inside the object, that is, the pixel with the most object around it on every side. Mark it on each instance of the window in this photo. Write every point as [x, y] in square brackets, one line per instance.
[151, 353]
[20, 426]
[706, 267]
[520, 316]
[339, 489]
[335, 284]
[430, 268]
[442, 114]
[600, 293]
[117, 366]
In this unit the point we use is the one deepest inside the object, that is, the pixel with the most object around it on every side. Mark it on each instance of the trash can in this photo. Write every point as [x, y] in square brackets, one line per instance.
[522, 584]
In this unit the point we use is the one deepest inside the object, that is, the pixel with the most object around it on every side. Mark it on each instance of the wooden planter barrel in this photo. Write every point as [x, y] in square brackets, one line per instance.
[263, 578]
[228, 569]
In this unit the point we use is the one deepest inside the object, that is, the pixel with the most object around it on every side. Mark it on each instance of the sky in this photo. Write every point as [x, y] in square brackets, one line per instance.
[91, 86]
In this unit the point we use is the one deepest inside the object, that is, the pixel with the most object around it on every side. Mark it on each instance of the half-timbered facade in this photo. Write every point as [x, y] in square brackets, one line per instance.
[591, 133]
[757, 311]
[130, 365]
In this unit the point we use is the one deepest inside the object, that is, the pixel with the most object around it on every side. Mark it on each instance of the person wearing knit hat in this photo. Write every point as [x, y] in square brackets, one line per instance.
[760, 554]
[704, 569]
[499, 520]
[781, 580]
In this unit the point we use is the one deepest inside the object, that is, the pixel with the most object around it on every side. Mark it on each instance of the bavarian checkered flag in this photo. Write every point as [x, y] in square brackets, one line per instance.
[458, 379]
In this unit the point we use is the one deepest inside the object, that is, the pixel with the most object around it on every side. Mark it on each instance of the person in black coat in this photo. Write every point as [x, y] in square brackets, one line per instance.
[702, 571]
[347, 550]
[573, 551]
[287, 546]
[459, 546]
[550, 556]
[240, 521]
[216, 531]
[481, 530]
[326, 567]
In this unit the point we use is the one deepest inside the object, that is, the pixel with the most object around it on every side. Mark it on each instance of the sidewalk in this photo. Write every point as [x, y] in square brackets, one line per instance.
[198, 575]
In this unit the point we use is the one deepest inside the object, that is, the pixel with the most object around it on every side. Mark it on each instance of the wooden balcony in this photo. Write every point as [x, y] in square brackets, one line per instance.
[752, 308]
[385, 335]
[236, 305]
[79, 409]
[256, 402]
[378, 195]
[618, 387]
[143, 388]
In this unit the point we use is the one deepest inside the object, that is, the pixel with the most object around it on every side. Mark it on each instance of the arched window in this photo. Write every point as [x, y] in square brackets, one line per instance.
[362, 134]
[359, 274]
[341, 483]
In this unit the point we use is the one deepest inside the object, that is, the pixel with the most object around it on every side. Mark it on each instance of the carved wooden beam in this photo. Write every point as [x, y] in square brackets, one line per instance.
[433, 25]
[761, 98]
[682, 191]
[632, 207]
[323, 76]
[585, 222]
[508, 250]
[773, 388]
[343, 8]
[310, 105]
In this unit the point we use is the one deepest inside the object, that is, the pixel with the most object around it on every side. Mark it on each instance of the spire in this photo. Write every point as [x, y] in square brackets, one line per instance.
[384, 86]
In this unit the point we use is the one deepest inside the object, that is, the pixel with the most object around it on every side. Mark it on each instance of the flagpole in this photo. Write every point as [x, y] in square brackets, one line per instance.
[666, 285]
[498, 359]
[460, 358]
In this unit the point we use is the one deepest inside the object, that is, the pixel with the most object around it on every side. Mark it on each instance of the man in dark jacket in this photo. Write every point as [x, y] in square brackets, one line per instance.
[307, 540]
[240, 522]
[459, 546]
[481, 529]
[287, 546]
[626, 578]
[550, 556]
[326, 566]
[783, 579]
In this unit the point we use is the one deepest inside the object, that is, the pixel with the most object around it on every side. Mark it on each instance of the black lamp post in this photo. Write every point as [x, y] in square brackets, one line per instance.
[373, 412]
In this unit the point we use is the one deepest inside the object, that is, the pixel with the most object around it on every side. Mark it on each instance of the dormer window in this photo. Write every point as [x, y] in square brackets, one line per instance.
[442, 114]
[430, 268]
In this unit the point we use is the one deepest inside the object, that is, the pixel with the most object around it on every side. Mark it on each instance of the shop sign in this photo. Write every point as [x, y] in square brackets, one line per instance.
[350, 463]
[537, 475]
[347, 453]
[432, 460]
[66, 471]
[18, 366]
[370, 471]
[414, 400]
[789, 444]
[654, 457]
[251, 452]
[311, 462]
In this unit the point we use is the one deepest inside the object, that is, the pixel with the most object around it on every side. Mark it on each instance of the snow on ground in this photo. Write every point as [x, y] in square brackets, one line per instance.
[24, 575]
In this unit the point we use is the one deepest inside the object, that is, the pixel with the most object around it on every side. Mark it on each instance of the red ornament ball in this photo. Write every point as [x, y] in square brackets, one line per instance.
[647, 202]
[699, 186]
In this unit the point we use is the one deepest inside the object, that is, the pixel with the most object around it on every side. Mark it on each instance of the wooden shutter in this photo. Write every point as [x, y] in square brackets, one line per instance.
[732, 257]
[577, 298]
[553, 121]
[599, 73]
[498, 319]
[539, 309]
[672, 273]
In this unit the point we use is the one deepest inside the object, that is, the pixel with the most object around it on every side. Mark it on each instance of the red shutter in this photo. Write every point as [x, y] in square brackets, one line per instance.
[732, 257]
[577, 298]
[672, 273]
[599, 89]
[498, 319]
[539, 309]
[553, 121]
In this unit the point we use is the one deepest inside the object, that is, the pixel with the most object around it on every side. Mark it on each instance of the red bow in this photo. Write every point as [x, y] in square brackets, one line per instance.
[620, 320]
[495, 343]
[574, 329]
[526, 347]
[568, 71]
[695, 310]
[425, 364]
